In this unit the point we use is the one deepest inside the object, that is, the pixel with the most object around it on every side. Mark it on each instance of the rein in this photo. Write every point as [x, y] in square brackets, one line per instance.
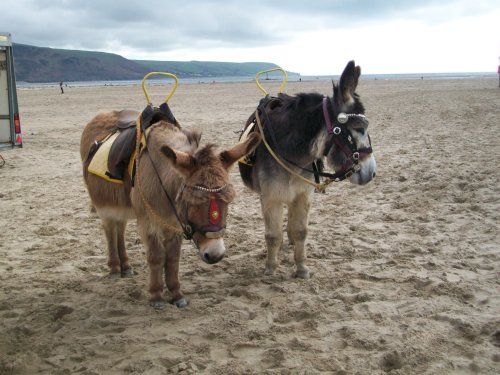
[347, 147]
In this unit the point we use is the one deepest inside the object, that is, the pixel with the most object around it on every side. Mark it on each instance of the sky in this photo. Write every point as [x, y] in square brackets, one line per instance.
[314, 37]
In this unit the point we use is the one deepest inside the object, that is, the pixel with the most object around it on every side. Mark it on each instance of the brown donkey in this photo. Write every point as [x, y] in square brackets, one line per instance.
[178, 187]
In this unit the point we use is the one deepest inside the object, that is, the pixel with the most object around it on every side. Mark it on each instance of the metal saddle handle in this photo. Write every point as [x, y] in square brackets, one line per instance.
[146, 94]
[285, 79]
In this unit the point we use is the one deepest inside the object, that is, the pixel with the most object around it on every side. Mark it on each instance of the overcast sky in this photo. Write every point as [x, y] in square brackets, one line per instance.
[312, 37]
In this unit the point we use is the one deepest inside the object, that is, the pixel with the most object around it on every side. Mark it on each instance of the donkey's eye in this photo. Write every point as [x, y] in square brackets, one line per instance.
[360, 130]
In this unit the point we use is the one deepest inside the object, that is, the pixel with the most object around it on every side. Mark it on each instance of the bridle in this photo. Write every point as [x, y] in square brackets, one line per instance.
[343, 139]
[214, 229]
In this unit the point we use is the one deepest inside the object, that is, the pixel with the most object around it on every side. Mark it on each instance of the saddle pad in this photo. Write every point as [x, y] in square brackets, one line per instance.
[99, 163]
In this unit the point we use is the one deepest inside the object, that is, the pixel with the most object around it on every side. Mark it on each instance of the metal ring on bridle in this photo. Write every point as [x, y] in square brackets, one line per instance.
[337, 130]
[355, 156]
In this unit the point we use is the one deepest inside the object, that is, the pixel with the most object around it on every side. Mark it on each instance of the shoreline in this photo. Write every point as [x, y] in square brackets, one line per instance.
[246, 79]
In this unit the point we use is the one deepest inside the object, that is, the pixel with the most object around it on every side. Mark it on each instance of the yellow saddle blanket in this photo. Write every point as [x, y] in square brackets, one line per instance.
[99, 163]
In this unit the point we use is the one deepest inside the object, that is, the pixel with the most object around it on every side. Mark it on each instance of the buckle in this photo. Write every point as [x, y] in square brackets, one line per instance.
[337, 130]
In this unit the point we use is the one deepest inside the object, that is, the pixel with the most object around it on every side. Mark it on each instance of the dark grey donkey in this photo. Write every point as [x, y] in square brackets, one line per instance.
[299, 133]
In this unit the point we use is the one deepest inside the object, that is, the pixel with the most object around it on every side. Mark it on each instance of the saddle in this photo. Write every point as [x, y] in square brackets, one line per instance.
[266, 104]
[114, 158]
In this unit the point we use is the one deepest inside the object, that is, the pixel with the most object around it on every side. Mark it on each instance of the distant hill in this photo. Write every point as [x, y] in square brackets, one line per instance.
[42, 64]
[206, 68]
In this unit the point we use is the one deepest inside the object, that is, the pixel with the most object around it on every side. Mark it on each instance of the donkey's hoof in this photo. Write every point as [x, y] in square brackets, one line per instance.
[158, 305]
[269, 271]
[303, 274]
[180, 303]
[128, 273]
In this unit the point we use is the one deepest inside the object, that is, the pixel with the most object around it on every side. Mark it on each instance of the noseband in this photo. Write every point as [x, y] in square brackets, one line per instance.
[344, 140]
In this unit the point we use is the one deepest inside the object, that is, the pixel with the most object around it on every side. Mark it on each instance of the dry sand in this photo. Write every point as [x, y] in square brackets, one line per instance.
[406, 269]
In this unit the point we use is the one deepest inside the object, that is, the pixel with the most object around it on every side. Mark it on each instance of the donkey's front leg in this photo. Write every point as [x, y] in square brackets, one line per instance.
[298, 212]
[173, 254]
[156, 260]
[273, 221]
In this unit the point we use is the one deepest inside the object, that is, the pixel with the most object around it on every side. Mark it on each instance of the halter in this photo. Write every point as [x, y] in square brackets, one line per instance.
[212, 230]
[343, 138]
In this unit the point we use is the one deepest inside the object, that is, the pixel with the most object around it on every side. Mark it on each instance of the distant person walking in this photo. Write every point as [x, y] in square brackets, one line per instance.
[498, 75]
[60, 85]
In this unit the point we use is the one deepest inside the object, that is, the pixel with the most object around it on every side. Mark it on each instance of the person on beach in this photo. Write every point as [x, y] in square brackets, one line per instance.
[498, 75]
[60, 85]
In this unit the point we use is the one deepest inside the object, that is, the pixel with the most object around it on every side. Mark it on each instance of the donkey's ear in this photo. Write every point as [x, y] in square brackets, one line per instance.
[235, 153]
[182, 161]
[349, 82]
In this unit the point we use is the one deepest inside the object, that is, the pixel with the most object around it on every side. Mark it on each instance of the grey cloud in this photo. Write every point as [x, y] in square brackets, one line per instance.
[167, 25]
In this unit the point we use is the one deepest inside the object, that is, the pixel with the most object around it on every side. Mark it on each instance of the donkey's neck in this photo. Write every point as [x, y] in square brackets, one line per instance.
[300, 129]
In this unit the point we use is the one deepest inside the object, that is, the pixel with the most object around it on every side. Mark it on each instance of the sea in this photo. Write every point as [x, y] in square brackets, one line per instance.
[292, 78]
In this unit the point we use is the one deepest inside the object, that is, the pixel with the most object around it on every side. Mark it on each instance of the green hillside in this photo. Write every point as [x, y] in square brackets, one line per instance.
[42, 64]
[206, 68]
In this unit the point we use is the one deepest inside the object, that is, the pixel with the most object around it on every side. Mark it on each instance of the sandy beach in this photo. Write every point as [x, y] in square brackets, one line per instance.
[406, 269]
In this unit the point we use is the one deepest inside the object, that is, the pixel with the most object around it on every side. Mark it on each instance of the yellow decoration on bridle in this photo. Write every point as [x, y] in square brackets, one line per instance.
[285, 78]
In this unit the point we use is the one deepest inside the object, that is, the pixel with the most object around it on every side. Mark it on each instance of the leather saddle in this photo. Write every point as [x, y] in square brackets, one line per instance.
[124, 146]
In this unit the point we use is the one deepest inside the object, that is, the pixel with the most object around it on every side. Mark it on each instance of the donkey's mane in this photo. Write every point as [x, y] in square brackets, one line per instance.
[296, 123]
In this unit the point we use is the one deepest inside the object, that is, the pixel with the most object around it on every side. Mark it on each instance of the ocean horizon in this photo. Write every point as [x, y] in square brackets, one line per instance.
[292, 78]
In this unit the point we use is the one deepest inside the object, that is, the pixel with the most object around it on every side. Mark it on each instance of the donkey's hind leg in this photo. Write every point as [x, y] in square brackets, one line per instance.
[273, 221]
[125, 268]
[298, 212]
[110, 229]
[117, 254]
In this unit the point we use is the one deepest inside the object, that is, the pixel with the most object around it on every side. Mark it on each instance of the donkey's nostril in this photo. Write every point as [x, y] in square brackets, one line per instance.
[206, 257]
[373, 175]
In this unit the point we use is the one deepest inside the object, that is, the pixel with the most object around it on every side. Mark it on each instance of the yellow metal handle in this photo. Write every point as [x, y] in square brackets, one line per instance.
[162, 74]
[285, 78]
